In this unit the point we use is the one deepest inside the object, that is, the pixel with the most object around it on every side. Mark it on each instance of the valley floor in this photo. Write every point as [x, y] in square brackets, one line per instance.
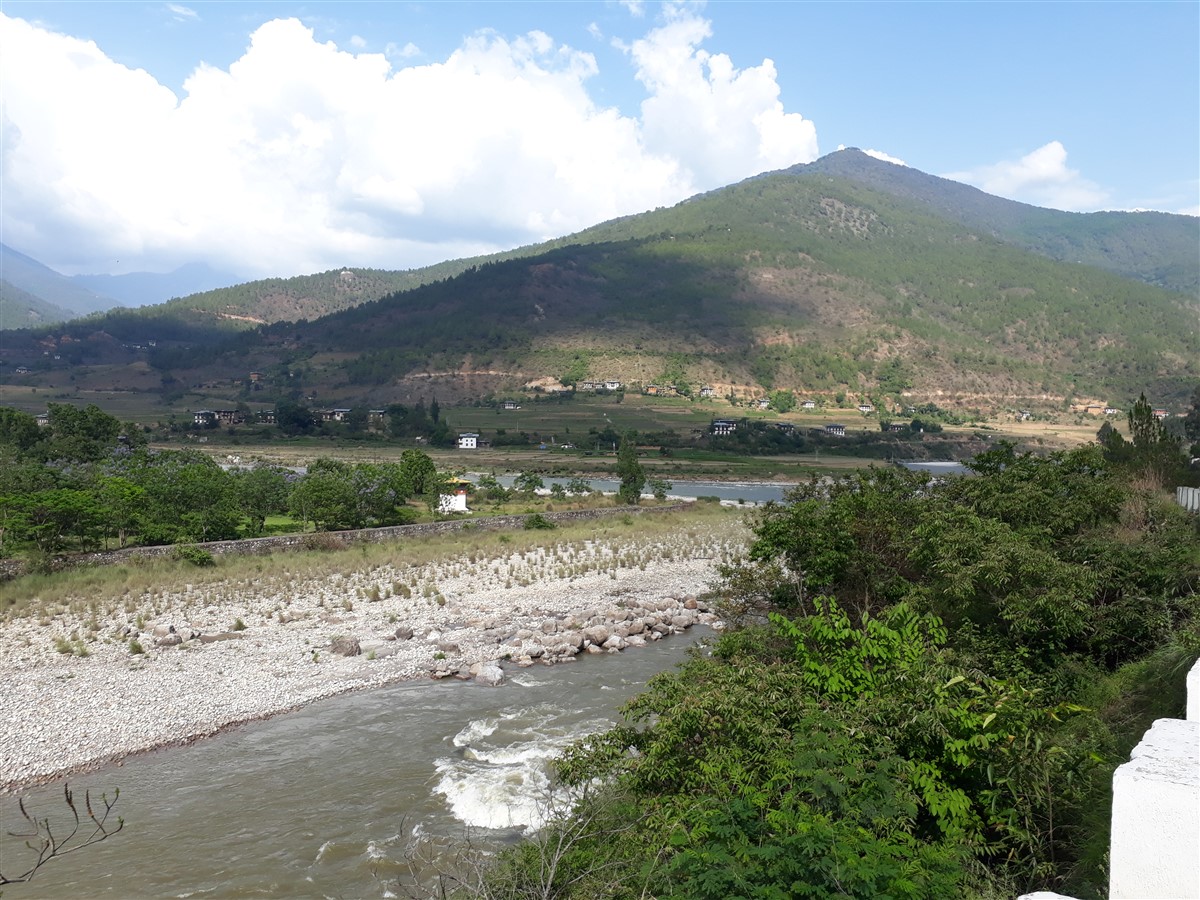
[76, 696]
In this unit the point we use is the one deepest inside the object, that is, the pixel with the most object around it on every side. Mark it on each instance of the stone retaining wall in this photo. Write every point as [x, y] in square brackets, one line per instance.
[265, 546]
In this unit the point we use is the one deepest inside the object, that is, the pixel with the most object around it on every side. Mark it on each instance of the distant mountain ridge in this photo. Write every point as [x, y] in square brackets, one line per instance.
[1155, 247]
[803, 279]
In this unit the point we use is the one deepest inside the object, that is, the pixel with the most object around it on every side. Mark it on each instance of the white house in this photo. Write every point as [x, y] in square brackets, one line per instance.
[468, 440]
[835, 430]
[612, 385]
[809, 404]
[722, 427]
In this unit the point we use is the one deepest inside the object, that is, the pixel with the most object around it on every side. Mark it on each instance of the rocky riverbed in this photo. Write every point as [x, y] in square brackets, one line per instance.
[96, 681]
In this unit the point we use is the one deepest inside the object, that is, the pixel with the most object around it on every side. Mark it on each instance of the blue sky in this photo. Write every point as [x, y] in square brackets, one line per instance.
[275, 138]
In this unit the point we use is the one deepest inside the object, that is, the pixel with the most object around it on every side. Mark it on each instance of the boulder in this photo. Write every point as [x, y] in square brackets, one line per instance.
[549, 626]
[168, 640]
[345, 646]
[403, 633]
[635, 640]
[597, 634]
[491, 675]
[448, 647]
[615, 642]
[161, 631]
[690, 603]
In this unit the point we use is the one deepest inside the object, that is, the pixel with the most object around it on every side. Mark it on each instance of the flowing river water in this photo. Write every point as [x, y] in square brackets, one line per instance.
[331, 800]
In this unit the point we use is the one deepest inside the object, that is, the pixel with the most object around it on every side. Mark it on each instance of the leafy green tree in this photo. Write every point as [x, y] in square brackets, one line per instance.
[261, 491]
[783, 401]
[629, 471]
[123, 503]
[418, 472]
[81, 435]
[293, 418]
[528, 482]
[19, 430]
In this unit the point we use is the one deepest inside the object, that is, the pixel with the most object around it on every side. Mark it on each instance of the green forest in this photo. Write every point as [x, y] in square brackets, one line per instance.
[925, 694]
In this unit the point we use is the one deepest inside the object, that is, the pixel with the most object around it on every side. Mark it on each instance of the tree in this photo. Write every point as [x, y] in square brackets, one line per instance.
[629, 471]
[261, 491]
[783, 401]
[528, 482]
[1191, 422]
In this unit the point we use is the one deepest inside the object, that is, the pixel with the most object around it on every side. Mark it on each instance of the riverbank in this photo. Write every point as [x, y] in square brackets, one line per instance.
[263, 636]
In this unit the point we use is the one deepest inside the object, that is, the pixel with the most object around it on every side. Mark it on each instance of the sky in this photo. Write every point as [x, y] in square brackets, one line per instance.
[283, 138]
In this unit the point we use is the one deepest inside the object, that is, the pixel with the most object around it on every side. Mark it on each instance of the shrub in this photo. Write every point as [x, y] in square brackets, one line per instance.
[135, 648]
[239, 625]
[197, 556]
[538, 522]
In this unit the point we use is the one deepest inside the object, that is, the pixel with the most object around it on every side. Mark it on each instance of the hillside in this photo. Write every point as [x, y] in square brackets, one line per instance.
[42, 283]
[21, 309]
[1158, 248]
[800, 279]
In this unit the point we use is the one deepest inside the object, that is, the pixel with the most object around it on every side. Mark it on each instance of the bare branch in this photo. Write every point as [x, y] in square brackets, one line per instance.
[45, 845]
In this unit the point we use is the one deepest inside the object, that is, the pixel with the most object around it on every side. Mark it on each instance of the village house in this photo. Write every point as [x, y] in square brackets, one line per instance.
[511, 404]
[785, 427]
[865, 408]
[1111, 411]
[204, 418]
[897, 426]
[468, 440]
[613, 385]
[835, 430]
[762, 403]
[809, 404]
[1160, 413]
[707, 391]
[723, 427]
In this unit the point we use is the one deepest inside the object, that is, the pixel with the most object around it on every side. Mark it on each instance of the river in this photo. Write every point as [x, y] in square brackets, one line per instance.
[327, 801]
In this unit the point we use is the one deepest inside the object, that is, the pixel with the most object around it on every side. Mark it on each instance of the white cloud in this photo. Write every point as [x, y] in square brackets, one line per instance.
[879, 154]
[721, 123]
[301, 157]
[1041, 178]
[637, 8]
[182, 13]
[395, 51]
[358, 42]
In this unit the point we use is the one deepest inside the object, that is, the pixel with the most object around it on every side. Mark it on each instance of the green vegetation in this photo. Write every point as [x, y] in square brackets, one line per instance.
[630, 472]
[950, 672]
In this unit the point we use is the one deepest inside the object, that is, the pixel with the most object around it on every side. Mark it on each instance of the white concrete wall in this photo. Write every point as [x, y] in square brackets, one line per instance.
[1155, 849]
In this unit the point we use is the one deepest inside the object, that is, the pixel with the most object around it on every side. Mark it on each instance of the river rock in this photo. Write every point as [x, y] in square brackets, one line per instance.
[490, 674]
[549, 626]
[615, 642]
[403, 633]
[690, 603]
[345, 646]
[168, 640]
[597, 634]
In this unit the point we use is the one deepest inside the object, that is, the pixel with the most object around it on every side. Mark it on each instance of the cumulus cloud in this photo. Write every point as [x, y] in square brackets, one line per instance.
[1041, 178]
[720, 122]
[301, 156]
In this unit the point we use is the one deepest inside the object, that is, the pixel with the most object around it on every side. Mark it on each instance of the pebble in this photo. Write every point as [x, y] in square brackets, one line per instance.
[65, 713]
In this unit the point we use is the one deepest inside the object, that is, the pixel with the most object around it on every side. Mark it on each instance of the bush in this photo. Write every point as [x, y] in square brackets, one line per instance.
[197, 556]
[135, 648]
[538, 521]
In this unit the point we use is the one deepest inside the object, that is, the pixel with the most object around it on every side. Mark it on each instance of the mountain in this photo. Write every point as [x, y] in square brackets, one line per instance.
[144, 288]
[1155, 247]
[43, 283]
[21, 309]
[803, 279]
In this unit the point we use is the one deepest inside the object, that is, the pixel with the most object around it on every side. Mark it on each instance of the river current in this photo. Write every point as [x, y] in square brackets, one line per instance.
[334, 799]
